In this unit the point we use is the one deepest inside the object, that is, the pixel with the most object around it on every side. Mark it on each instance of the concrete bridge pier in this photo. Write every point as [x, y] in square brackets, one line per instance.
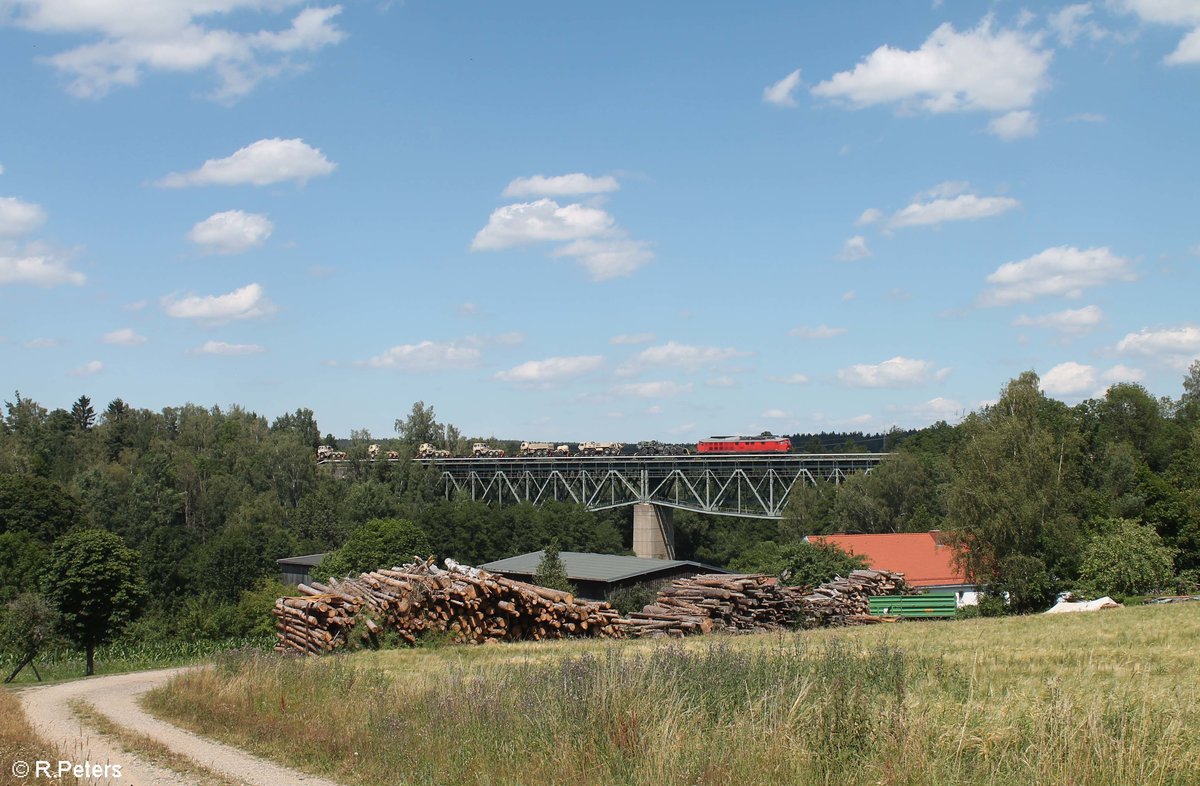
[653, 531]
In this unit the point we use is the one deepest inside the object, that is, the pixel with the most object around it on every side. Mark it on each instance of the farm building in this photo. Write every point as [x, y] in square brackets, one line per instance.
[924, 558]
[298, 570]
[596, 575]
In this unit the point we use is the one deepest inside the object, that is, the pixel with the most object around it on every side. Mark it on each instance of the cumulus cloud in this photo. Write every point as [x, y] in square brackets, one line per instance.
[1062, 271]
[18, 217]
[535, 222]
[232, 231]
[560, 185]
[854, 248]
[937, 408]
[795, 379]
[820, 331]
[87, 369]
[608, 257]
[1176, 346]
[126, 39]
[681, 356]
[223, 348]
[632, 338]
[1017, 124]
[783, 92]
[869, 216]
[37, 265]
[1073, 322]
[427, 356]
[723, 381]
[551, 369]
[662, 389]
[1070, 378]
[1074, 23]
[41, 343]
[1175, 13]
[982, 69]
[249, 302]
[1121, 373]
[260, 163]
[897, 372]
[930, 209]
[124, 337]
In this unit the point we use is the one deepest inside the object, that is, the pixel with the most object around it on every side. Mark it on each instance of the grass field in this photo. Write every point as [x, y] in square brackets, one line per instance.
[1105, 698]
[125, 656]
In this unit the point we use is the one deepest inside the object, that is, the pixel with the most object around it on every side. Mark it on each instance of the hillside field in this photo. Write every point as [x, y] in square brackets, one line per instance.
[1103, 698]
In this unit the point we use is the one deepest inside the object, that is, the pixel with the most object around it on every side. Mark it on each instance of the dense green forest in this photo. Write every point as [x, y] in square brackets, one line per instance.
[207, 499]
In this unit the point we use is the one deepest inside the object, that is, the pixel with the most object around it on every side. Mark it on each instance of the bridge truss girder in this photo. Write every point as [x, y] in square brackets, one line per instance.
[752, 487]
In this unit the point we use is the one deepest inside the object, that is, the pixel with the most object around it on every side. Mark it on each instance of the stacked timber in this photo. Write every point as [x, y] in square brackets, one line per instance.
[843, 601]
[470, 605]
[757, 603]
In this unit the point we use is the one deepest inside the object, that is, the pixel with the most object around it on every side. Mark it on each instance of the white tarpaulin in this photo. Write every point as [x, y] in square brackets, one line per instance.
[1064, 606]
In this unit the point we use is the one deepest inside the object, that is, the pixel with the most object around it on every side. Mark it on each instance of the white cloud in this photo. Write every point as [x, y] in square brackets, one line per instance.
[37, 265]
[947, 189]
[964, 207]
[608, 258]
[232, 231]
[1, 169]
[248, 302]
[427, 356]
[683, 356]
[1070, 378]
[561, 185]
[535, 222]
[854, 248]
[977, 70]
[1177, 13]
[894, 373]
[1059, 271]
[260, 163]
[125, 39]
[795, 379]
[223, 348]
[124, 337]
[1176, 346]
[1087, 117]
[820, 331]
[1121, 373]
[88, 369]
[652, 389]
[1074, 322]
[849, 295]
[723, 381]
[782, 93]
[775, 414]
[1073, 23]
[632, 338]
[938, 408]
[41, 343]
[1017, 124]
[551, 369]
[18, 217]
[136, 305]
[869, 216]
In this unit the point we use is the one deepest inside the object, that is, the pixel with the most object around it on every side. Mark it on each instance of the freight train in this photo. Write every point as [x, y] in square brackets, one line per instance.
[763, 443]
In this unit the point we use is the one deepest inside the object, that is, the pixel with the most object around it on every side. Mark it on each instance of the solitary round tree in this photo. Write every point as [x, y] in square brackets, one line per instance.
[92, 579]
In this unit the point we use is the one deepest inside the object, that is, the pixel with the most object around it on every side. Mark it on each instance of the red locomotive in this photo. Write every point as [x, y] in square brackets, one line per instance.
[764, 443]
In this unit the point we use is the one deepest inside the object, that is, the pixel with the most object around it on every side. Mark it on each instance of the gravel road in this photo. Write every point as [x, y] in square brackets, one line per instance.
[116, 697]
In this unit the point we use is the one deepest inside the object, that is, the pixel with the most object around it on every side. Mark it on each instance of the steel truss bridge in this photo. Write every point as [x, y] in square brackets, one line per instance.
[754, 486]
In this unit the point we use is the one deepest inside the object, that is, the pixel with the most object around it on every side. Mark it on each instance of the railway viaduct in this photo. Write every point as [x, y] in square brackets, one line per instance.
[750, 485]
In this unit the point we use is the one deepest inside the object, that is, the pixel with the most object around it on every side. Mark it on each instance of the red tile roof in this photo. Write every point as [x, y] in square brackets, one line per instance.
[918, 555]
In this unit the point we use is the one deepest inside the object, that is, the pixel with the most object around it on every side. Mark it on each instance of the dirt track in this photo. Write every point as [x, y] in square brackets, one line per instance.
[117, 698]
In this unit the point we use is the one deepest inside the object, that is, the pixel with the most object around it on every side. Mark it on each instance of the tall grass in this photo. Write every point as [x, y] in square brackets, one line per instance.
[981, 702]
[127, 655]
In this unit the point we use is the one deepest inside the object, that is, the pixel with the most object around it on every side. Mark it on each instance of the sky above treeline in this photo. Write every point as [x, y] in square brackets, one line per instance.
[597, 220]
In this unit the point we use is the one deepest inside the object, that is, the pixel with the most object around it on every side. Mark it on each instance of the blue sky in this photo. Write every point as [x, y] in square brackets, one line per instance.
[597, 221]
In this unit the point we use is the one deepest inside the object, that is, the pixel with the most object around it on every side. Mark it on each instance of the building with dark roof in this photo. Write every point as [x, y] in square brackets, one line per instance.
[298, 570]
[596, 575]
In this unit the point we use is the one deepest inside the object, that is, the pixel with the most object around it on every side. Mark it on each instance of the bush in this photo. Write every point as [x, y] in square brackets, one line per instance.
[630, 599]
[1127, 558]
[799, 563]
[379, 543]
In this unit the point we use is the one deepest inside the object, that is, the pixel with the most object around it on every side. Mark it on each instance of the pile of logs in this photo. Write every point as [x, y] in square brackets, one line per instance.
[756, 603]
[844, 601]
[470, 605]
[473, 606]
